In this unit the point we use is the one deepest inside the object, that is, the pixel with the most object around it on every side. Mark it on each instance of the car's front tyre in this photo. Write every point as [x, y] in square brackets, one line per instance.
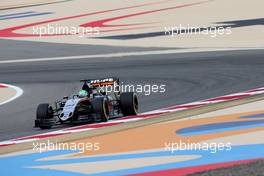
[45, 117]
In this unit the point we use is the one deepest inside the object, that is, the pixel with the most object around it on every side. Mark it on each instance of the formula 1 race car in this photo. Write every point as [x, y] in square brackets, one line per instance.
[94, 103]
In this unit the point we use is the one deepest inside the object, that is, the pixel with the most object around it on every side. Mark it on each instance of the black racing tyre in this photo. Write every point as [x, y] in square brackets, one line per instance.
[129, 103]
[45, 116]
[100, 108]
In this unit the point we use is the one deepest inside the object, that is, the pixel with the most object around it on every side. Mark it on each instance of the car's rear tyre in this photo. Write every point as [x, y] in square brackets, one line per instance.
[45, 118]
[129, 103]
[100, 108]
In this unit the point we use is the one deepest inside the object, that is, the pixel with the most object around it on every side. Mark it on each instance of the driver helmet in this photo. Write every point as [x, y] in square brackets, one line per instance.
[83, 93]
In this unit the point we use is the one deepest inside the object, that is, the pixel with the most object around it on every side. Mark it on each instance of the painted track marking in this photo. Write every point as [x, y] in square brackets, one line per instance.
[18, 90]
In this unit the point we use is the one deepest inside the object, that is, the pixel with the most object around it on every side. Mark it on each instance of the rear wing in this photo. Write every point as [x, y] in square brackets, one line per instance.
[102, 82]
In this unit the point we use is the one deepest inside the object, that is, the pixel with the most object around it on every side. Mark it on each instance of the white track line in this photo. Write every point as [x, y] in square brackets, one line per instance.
[137, 53]
[19, 92]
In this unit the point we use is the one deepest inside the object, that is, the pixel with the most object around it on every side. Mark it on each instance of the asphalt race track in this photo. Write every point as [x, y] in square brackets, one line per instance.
[188, 77]
[11, 49]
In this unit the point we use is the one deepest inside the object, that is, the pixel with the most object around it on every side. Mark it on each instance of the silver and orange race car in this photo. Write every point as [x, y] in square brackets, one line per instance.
[94, 103]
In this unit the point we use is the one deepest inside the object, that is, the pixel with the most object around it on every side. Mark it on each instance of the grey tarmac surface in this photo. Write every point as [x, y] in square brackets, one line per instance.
[188, 77]
[11, 49]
